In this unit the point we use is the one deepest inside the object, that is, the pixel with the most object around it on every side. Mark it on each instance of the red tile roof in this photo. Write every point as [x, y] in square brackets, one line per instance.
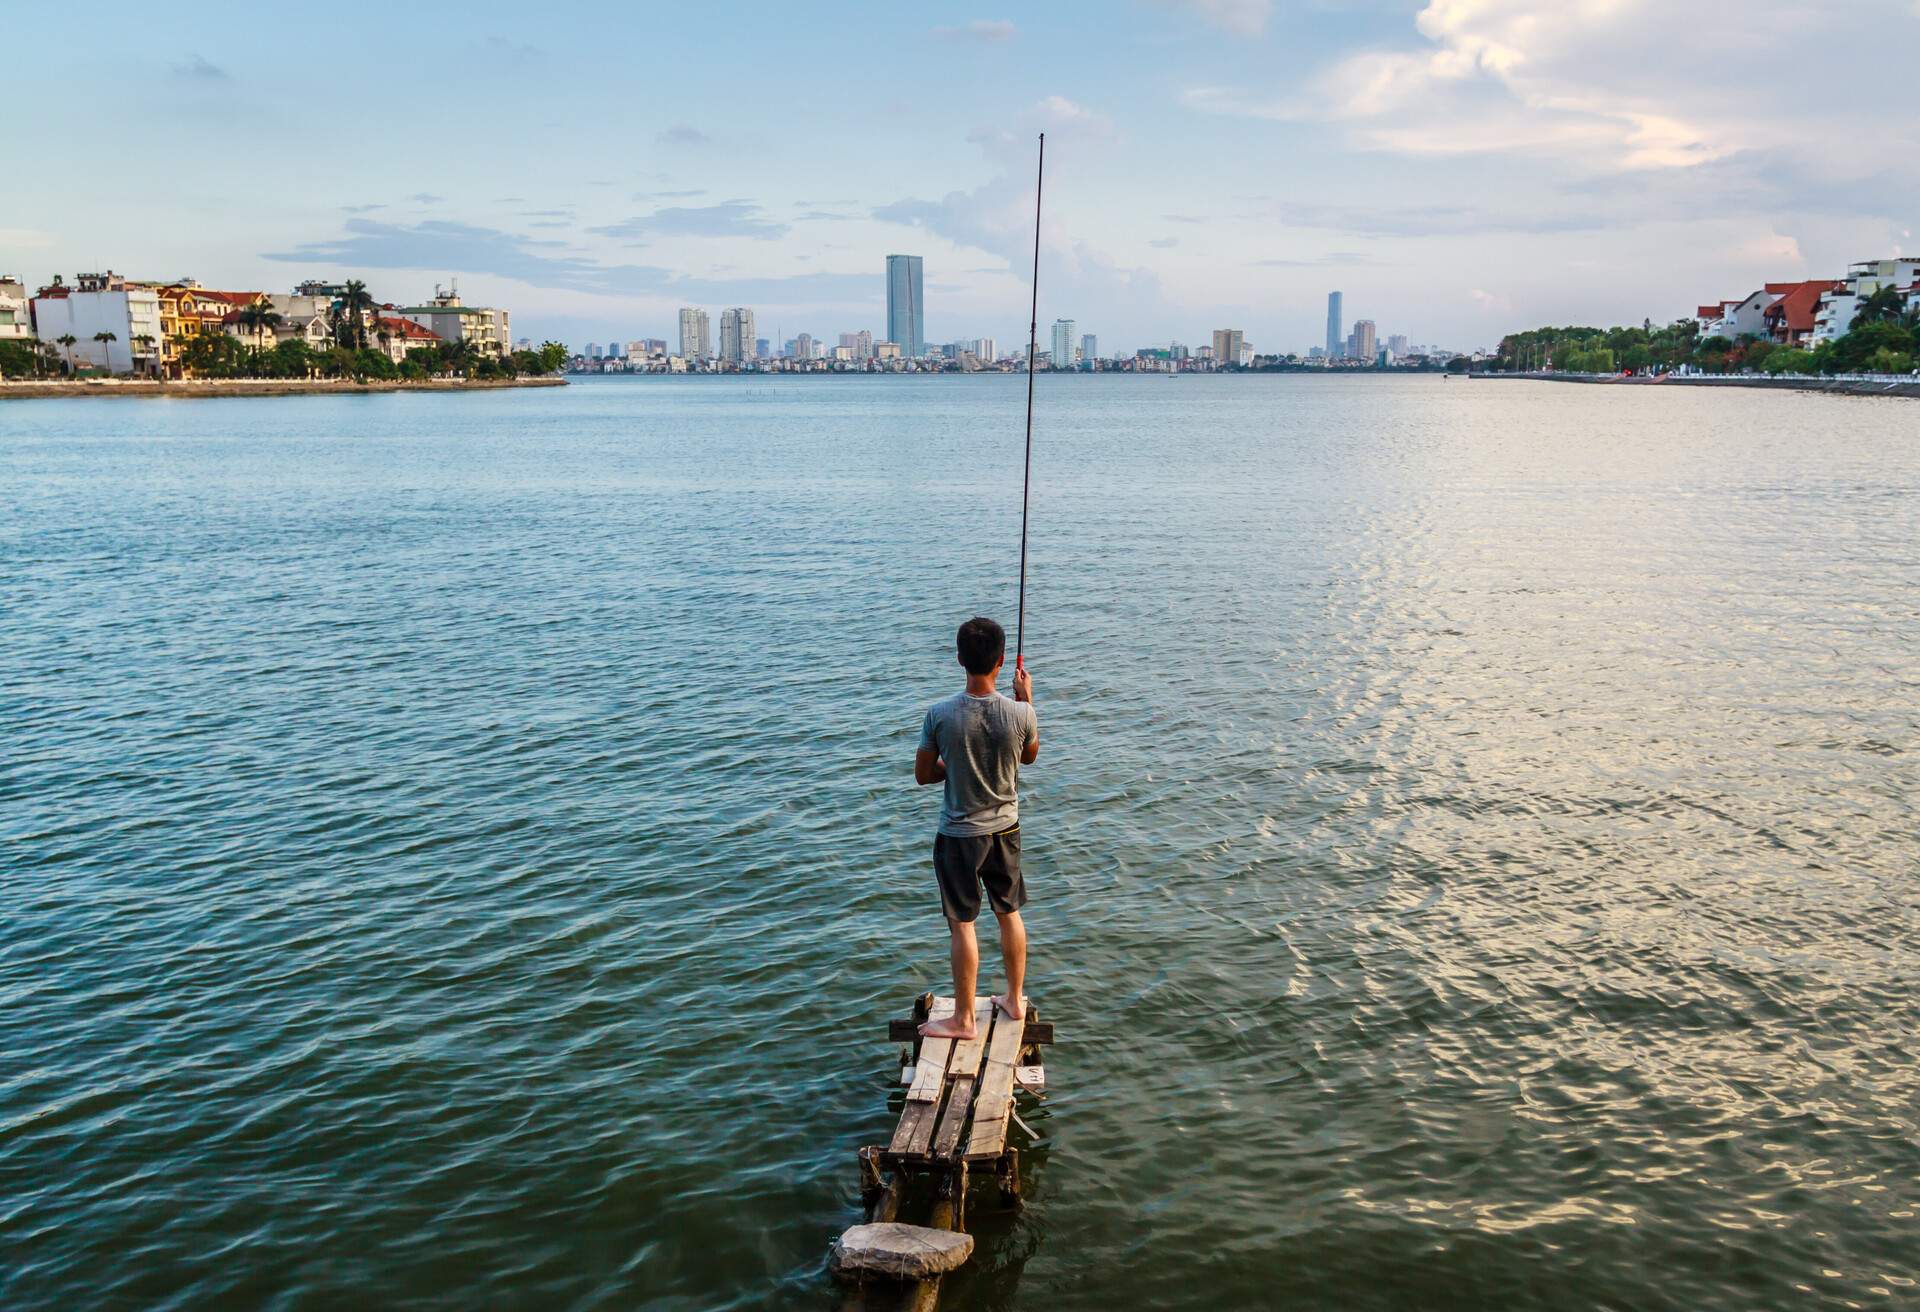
[1798, 305]
[406, 328]
[1708, 312]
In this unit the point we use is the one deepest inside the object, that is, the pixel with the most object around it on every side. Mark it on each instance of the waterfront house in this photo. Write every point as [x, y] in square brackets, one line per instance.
[1790, 318]
[187, 308]
[96, 303]
[450, 320]
[400, 337]
[16, 310]
[1733, 320]
[1865, 277]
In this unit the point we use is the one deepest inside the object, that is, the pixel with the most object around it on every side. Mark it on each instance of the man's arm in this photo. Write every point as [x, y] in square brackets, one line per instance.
[1023, 692]
[928, 767]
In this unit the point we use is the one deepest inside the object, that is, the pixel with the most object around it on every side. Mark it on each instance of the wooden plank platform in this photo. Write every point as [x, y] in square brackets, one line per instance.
[960, 1093]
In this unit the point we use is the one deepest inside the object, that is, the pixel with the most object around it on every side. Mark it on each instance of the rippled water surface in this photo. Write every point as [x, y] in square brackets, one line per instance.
[461, 850]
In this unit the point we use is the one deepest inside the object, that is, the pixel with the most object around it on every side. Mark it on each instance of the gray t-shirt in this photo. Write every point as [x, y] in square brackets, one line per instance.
[980, 740]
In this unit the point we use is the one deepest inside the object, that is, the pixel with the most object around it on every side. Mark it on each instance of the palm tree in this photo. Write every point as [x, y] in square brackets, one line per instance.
[460, 355]
[350, 310]
[106, 356]
[66, 341]
[1883, 306]
[143, 343]
[258, 317]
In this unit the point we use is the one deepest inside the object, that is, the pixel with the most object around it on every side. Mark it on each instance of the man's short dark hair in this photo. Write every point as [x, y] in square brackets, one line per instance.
[982, 644]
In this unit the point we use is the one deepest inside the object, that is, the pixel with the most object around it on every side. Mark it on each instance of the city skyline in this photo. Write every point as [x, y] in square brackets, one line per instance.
[1468, 167]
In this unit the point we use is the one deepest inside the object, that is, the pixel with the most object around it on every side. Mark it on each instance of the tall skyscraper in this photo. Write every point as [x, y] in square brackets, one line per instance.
[906, 305]
[1397, 343]
[1063, 343]
[984, 348]
[1226, 346]
[695, 341]
[1335, 338]
[736, 334]
[1089, 348]
[1365, 346]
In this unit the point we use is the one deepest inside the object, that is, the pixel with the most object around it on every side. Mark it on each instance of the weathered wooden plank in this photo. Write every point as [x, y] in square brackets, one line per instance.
[907, 1031]
[930, 1070]
[1031, 1078]
[915, 1131]
[962, 1078]
[995, 1093]
[968, 1052]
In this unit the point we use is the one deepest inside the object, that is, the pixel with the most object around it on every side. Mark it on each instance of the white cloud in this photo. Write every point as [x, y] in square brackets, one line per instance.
[1622, 85]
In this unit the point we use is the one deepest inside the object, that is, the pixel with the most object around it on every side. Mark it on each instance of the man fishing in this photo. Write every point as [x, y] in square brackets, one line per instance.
[975, 742]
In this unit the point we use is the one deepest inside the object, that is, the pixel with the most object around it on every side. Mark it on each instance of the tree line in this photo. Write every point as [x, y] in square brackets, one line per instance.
[1884, 339]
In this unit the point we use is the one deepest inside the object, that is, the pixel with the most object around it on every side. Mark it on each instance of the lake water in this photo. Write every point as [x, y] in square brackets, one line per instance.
[462, 850]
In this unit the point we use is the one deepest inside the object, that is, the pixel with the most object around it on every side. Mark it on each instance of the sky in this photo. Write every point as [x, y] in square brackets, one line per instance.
[1458, 168]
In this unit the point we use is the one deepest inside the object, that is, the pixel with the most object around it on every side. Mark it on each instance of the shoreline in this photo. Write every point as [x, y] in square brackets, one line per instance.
[1830, 386]
[260, 387]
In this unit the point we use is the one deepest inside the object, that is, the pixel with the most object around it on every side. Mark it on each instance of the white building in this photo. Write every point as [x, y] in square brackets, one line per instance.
[736, 334]
[1736, 319]
[1063, 331]
[451, 321]
[16, 311]
[696, 340]
[1839, 306]
[102, 303]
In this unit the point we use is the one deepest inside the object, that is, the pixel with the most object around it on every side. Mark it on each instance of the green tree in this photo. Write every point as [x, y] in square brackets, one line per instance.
[257, 318]
[350, 315]
[66, 341]
[1789, 360]
[1884, 361]
[1851, 352]
[1888, 305]
[106, 356]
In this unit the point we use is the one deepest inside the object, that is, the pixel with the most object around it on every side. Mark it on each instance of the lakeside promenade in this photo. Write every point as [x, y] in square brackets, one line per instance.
[1855, 386]
[10, 390]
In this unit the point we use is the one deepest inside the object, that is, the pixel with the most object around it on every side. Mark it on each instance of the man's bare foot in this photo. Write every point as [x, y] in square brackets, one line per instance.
[951, 1027]
[1012, 1008]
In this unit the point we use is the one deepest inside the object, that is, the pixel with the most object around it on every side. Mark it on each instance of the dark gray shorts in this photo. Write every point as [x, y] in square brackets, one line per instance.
[962, 865]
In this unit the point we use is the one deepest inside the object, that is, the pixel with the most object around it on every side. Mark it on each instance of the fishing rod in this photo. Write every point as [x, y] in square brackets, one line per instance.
[1033, 345]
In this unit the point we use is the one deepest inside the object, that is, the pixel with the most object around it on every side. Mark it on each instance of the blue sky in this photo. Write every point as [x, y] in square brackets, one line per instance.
[1458, 168]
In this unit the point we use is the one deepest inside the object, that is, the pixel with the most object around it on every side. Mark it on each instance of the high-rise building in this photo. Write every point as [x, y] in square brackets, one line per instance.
[1397, 343]
[761, 348]
[695, 341]
[1226, 345]
[985, 349]
[805, 348]
[1089, 348]
[1063, 343]
[906, 305]
[593, 350]
[1365, 347]
[736, 334]
[1334, 323]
